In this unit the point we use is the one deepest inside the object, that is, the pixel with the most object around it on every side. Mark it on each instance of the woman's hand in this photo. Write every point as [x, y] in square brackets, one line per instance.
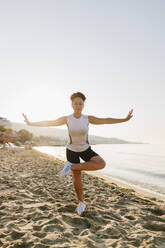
[129, 116]
[26, 119]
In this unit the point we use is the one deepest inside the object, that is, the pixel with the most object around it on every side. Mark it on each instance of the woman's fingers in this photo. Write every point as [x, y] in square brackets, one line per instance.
[24, 115]
[130, 112]
[129, 116]
[25, 118]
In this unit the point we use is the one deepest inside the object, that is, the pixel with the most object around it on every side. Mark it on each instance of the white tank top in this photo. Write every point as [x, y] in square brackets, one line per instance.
[78, 133]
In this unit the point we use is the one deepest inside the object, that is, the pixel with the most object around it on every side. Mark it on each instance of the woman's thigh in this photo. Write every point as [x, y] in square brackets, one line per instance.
[88, 154]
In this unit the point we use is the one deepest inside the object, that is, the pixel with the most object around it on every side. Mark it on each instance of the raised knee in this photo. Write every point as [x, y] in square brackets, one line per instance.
[102, 164]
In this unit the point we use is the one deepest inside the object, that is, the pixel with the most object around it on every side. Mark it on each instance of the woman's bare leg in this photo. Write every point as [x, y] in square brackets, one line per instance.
[78, 184]
[95, 163]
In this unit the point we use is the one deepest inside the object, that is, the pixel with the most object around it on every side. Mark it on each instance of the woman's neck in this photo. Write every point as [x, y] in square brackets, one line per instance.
[77, 115]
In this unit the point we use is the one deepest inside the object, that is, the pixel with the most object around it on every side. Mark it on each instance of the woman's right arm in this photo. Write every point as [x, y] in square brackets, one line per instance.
[58, 122]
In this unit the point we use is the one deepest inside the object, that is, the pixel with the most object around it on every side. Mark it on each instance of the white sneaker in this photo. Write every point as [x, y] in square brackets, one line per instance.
[81, 207]
[66, 169]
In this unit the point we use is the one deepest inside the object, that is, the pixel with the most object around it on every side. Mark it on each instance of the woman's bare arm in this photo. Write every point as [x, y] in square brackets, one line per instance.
[99, 121]
[58, 122]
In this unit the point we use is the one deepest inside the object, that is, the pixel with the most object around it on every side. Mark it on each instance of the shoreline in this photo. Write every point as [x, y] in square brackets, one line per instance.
[139, 191]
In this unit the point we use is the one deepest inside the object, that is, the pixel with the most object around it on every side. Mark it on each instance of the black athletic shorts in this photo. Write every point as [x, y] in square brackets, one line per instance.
[74, 157]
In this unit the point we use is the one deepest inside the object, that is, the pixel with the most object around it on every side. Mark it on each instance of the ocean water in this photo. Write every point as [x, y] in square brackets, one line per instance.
[140, 165]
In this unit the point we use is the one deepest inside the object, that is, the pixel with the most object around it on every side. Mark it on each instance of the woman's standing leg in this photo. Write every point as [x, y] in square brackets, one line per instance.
[73, 157]
[77, 181]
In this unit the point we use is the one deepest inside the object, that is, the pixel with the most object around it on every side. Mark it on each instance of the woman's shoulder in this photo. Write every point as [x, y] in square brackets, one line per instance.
[68, 117]
[86, 117]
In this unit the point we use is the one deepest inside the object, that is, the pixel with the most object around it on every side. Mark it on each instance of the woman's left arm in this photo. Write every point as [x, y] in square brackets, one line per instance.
[99, 121]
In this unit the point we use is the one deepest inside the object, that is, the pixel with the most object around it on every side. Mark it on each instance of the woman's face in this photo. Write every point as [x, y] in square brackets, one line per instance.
[77, 104]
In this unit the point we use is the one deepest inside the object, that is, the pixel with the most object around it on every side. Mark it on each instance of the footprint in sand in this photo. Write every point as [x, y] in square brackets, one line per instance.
[53, 221]
[39, 234]
[44, 207]
[110, 232]
[150, 217]
[37, 227]
[76, 221]
[39, 245]
[17, 235]
[54, 239]
[53, 228]
[155, 210]
[130, 217]
[153, 226]
[68, 208]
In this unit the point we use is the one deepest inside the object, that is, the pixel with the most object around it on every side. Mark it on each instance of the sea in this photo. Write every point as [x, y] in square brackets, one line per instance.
[138, 165]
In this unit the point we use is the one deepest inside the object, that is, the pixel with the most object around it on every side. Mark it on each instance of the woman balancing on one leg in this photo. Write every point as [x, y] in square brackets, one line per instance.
[78, 145]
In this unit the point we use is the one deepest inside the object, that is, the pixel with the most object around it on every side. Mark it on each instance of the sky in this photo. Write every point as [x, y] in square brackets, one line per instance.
[111, 51]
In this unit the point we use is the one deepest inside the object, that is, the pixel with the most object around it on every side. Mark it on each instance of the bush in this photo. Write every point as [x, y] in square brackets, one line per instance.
[2, 129]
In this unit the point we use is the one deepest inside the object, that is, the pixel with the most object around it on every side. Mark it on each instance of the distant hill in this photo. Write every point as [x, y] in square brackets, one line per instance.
[63, 134]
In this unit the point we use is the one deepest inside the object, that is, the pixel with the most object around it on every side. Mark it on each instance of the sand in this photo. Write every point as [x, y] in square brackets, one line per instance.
[37, 209]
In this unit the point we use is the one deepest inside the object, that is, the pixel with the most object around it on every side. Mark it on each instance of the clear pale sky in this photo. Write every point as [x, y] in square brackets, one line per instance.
[112, 51]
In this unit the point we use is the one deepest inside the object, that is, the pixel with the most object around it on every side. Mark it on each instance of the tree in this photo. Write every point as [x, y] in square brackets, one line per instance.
[24, 135]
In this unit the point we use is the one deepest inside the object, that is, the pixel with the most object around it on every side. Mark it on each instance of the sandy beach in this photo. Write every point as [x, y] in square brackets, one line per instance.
[37, 208]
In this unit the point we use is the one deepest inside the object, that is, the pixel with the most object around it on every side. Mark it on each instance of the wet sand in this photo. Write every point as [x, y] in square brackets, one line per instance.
[37, 208]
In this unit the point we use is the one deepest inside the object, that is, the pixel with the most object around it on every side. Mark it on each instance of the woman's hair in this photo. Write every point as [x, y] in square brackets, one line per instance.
[78, 94]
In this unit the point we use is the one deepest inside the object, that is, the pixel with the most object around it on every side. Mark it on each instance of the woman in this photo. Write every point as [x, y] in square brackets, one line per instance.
[78, 145]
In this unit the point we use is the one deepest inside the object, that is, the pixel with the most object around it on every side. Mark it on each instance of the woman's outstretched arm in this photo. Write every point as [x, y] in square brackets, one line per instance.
[99, 121]
[58, 122]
